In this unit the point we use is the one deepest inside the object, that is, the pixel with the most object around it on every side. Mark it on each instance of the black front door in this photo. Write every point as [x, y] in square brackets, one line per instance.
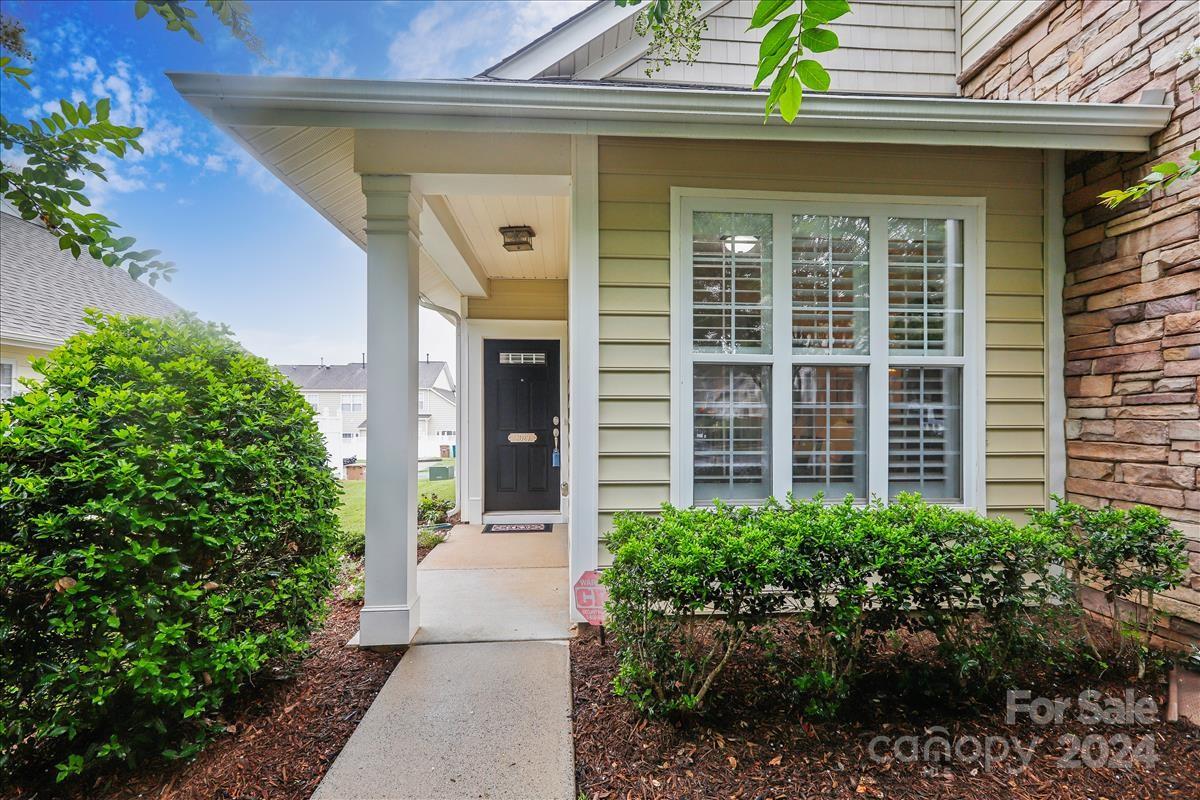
[522, 425]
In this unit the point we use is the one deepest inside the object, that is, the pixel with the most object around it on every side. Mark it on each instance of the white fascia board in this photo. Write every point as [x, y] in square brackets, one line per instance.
[13, 339]
[547, 51]
[622, 110]
[631, 51]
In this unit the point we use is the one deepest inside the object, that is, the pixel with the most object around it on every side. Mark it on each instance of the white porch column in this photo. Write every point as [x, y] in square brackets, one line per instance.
[390, 615]
[583, 421]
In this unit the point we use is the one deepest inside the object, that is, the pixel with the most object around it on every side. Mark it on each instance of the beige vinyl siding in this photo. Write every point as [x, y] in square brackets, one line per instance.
[636, 176]
[985, 22]
[521, 299]
[891, 46]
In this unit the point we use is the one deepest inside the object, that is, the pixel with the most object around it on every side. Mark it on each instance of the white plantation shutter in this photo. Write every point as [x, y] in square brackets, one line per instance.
[859, 386]
[830, 284]
[925, 432]
[829, 431]
[732, 432]
[731, 283]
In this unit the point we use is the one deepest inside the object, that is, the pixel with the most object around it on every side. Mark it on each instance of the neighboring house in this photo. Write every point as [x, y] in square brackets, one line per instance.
[437, 409]
[44, 291]
[338, 395]
[338, 392]
[869, 300]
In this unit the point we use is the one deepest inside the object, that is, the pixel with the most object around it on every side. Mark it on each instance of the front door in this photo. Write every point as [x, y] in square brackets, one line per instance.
[522, 425]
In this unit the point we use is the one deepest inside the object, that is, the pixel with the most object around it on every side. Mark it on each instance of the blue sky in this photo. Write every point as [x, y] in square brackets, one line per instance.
[249, 253]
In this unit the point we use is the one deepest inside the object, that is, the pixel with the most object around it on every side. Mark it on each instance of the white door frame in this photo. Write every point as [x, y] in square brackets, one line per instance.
[477, 330]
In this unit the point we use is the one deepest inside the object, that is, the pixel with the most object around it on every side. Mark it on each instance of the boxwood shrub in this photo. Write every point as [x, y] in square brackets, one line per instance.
[168, 530]
[689, 587]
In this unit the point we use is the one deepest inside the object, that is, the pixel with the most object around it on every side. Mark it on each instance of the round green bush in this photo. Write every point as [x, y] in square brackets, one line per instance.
[168, 533]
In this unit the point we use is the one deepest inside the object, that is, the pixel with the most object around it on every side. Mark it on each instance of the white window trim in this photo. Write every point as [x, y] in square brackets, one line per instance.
[15, 387]
[971, 210]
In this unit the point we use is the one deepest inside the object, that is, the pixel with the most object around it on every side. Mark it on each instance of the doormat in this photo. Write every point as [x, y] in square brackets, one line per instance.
[518, 527]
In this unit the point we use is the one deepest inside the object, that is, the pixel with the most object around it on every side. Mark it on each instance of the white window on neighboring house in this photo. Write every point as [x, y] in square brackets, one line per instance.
[421, 402]
[312, 399]
[7, 380]
[349, 435]
[354, 403]
[826, 350]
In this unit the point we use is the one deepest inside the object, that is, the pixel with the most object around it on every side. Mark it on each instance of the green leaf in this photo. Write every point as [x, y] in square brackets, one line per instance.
[825, 10]
[102, 109]
[777, 87]
[69, 112]
[789, 101]
[779, 36]
[767, 66]
[813, 74]
[767, 10]
[819, 40]
[1166, 168]
[140, 8]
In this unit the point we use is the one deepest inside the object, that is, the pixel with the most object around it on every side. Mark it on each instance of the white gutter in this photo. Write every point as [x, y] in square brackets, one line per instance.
[634, 110]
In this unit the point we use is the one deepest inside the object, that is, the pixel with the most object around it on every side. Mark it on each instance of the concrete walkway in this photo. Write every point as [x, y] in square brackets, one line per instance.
[480, 705]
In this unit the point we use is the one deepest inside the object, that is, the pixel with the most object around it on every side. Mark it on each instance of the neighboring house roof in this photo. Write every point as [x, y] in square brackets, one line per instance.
[428, 372]
[442, 393]
[353, 377]
[327, 377]
[44, 290]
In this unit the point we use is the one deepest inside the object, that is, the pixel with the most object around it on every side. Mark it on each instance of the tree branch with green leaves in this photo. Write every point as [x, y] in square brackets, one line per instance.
[797, 29]
[1162, 175]
[45, 163]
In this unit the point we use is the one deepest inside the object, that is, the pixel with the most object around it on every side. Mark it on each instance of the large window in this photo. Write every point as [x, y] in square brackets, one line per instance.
[354, 403]
[823, 350]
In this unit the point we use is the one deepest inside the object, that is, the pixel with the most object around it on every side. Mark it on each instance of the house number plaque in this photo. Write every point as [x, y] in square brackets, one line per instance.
[522, 437]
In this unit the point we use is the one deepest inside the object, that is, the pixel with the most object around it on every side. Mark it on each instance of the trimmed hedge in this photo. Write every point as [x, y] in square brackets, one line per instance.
[168, 533]
[995, 595]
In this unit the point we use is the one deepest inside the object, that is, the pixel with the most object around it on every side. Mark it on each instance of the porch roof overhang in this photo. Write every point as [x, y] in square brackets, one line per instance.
[607, 109]
[304, 130]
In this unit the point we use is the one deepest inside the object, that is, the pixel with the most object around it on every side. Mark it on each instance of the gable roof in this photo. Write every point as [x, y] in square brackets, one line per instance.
[326, 377]
[44, 290]
[352, 377]
[442, 393]
[561, 40]
[428, 372]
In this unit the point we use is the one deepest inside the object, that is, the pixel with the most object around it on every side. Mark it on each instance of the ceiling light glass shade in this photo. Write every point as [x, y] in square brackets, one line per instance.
[517, 238]
[739, 244]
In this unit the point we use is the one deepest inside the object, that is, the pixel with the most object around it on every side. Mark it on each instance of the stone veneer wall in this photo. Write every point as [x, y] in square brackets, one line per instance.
[1130, 303]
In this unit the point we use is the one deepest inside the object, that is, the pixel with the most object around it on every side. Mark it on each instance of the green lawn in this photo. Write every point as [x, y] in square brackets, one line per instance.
[353, 511]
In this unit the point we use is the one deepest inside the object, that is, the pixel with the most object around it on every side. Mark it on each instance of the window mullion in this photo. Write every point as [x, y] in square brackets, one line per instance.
[877, 395]
[781, 341]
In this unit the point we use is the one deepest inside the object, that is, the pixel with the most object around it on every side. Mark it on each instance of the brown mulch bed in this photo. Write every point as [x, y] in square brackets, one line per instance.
[751, 745]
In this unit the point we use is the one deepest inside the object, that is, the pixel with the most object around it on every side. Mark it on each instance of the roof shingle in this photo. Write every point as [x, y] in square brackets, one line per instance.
[44, 290]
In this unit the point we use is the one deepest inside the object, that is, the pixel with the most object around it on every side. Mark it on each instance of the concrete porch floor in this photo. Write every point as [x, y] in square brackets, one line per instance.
[495, 587]
[480, 705]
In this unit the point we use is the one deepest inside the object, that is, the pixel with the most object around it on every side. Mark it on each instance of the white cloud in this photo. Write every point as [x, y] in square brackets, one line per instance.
[320, 57]
[458, 40]
[215, 163]
[248, 168]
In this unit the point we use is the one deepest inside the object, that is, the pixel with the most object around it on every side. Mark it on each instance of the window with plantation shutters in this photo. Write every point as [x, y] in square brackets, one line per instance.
[824, 349]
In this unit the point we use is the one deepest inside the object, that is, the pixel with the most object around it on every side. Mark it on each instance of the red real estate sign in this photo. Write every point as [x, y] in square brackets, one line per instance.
[590, 597]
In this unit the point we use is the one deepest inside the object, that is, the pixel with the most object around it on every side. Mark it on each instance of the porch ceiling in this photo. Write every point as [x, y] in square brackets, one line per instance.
[481, 216]
[318, 164]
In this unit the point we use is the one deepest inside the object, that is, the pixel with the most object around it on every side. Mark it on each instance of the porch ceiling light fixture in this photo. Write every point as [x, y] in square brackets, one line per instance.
[739, 244]
[517, 238]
